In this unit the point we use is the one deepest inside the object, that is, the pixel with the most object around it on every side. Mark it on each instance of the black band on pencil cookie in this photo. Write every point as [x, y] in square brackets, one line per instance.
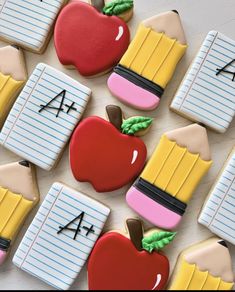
[139, 80]
[160, 196]
[4, 244]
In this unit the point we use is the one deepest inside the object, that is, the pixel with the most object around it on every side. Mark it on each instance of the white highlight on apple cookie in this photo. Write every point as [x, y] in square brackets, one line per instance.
[159, 278]
[120, 33]
[134, 158]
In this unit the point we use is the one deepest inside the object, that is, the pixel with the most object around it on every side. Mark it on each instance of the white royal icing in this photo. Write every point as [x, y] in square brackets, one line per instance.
[218, 213]
[57, 259]
[28, 22]
[158, 281]
[204, 96]
[135, 155]
[120, 33]
[40, 137]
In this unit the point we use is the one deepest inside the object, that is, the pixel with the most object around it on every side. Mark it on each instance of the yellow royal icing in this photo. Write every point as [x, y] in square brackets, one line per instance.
[8, 89]
[13, 211]
[175, 170]
[189, 277]
[153, 55]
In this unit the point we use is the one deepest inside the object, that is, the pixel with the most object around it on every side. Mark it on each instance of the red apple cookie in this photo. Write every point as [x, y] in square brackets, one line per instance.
[107, 154]
[122, 262]
[88, 40]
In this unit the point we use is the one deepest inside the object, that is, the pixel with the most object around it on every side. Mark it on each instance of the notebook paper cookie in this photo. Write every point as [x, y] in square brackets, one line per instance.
[219, 210]
[44, 116]
[28, 23]
[166, 185]
[18, 195]
[61, 236]
[13, 75]
[204, 266]
[206, 94]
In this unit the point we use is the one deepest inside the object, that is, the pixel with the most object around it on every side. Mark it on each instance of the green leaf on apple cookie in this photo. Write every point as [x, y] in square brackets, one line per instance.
[135, 124]
[117, 7]
[157, 240]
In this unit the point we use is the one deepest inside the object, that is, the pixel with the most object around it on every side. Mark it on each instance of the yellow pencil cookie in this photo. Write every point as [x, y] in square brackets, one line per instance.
[13, 76]
[150, 61]
[205, 266]
[166, 185]
[18, 195]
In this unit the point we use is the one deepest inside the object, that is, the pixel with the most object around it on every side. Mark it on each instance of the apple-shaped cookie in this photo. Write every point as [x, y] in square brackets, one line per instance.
[88, 40]
[122, 262]
[103, 155]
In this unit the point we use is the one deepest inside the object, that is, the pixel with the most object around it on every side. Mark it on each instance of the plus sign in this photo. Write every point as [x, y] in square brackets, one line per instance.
[71, 107]
[89, 230]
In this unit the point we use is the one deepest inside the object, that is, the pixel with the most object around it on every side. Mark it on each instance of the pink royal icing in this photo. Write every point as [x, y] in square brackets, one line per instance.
[3, 256]
[151, 210]
[132, 94]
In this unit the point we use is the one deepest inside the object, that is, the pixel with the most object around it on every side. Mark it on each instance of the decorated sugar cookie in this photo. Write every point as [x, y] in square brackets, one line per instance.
[219, 209]
[107, 154]
[120, 8]
[150, 61]
[86, 39]
[206, 94]
[166, 185]
[44, 116]
[98, 4]
[61, 236]
[28, 23]
[204, 266]
[13, 75]
[133, 261]
[18, 195]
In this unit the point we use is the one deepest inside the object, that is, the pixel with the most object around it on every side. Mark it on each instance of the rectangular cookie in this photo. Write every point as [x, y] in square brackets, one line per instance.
[61, 236]
[218, 212]
[44, 116]
[206, 94]
[28, 23]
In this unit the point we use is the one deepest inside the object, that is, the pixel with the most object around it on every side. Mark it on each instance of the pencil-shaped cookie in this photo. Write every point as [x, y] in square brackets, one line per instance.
[206, 94]
[204, 266]
[18, 195]
[149, 63]
[219, 210]
[166, 185]
[13, 76]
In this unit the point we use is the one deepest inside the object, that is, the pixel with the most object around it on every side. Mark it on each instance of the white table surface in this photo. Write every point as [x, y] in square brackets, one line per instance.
[198, 18]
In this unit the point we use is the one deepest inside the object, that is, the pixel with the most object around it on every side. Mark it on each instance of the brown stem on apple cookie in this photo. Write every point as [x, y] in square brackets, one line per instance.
[115, 116]
[136, 233]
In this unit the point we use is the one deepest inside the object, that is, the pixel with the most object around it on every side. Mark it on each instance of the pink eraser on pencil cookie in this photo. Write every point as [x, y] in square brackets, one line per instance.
[157, 213]
[128, 91]
[167, 183]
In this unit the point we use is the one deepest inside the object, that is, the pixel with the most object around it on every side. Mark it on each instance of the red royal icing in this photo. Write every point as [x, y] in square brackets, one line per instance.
[89, 40]
[115, 264]
[101, 155]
